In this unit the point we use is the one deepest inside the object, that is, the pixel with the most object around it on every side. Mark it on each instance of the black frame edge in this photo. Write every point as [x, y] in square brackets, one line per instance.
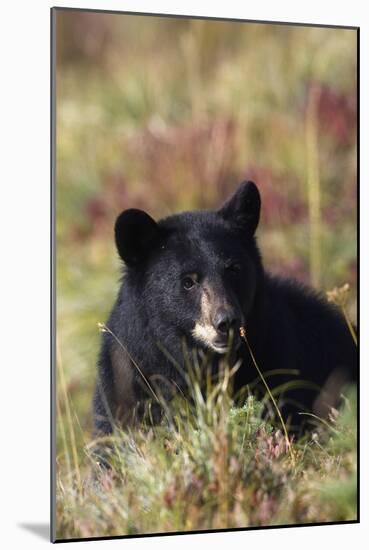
[52, 274]
[358, 266]
[210, 18]
[209, 531]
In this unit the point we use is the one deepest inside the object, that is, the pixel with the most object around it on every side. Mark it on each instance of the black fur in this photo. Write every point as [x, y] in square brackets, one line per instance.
[288, 325]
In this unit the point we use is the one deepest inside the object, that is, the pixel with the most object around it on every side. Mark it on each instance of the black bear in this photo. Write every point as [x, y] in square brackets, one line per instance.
[198, 276]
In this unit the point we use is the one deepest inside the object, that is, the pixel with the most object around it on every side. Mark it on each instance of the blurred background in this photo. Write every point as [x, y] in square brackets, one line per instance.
[170, 114]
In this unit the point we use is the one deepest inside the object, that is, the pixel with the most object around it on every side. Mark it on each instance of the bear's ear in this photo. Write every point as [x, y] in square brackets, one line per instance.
[243, 208]
[135, 234]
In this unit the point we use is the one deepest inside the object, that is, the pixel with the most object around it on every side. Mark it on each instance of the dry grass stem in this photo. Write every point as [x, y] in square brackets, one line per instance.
[287, 439]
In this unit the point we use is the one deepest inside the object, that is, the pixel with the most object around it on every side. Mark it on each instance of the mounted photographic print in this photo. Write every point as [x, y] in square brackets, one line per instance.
[205, 188]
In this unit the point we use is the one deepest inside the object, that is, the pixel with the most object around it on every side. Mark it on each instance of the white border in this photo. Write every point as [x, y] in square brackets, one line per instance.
[24, 124]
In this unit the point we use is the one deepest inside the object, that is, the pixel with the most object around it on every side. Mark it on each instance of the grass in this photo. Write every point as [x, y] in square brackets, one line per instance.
[174, 124]
[270, 395]
[208, 465]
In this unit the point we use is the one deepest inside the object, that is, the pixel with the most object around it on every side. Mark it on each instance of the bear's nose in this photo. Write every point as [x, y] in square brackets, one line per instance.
[224, 321]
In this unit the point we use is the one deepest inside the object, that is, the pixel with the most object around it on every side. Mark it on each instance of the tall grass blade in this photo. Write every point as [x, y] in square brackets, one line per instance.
[287, 439]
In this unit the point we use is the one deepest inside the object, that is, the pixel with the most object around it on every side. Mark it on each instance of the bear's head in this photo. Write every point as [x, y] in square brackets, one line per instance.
[195, 274]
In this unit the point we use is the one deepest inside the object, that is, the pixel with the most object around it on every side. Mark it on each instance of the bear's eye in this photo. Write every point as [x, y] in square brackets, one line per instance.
[189, 281]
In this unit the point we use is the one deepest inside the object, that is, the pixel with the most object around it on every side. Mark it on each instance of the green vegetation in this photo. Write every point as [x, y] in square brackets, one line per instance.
[168, 115]
[209, 465]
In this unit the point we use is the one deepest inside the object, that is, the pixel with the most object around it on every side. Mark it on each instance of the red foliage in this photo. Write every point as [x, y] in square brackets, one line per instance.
[337, 114]
[279, 204]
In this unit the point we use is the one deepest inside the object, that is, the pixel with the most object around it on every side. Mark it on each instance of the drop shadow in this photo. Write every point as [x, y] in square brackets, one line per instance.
[42, 530]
